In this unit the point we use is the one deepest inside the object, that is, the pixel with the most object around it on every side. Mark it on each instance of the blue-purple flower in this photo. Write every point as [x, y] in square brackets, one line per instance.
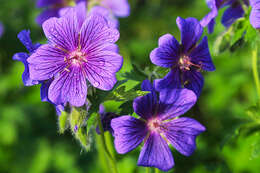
[232, 13]
[185, 60]
[159, 125]
[24, 37]
[255, 13]
[79, 49]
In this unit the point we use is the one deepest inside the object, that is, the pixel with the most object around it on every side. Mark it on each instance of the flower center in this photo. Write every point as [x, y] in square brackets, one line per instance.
[75, 58]
[185, 63]
[154, 125]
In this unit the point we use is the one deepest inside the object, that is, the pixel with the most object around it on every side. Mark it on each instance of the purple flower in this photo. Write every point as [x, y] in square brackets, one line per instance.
[158, 126]
[120, 8]
[106, 118]
[78, 49]
[255, 13]
[24, 37]
[52, 8]
[186, 60]
[1, 29]
[112, 21]
[231, 14]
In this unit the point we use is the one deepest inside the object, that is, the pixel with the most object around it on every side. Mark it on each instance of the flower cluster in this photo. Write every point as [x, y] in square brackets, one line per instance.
[81, 53]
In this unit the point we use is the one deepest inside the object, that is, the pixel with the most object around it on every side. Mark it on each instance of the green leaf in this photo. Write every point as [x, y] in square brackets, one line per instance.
[91, 121]
[135, 74]
[120, 94]
[97, 97]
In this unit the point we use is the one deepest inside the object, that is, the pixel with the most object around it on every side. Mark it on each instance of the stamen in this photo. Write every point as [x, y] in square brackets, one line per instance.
[185, 63]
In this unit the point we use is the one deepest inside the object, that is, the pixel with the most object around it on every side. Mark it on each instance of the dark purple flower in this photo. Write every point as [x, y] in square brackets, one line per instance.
[232, 13]
[158, 126]
[52, 8]
[255, 13]
[24, 37]
[106, 118]
[78, 49]
[186, 60]
[1, 29]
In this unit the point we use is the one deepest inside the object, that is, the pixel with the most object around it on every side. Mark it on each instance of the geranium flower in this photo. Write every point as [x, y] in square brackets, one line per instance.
[186, 60]
[159, 125]
[79, 49]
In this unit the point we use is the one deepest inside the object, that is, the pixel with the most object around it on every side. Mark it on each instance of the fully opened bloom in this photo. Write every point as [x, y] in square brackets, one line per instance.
[232, 13]
[79, 49]
[255, 13]
[158, 126]
[186, 60]
[24, 37]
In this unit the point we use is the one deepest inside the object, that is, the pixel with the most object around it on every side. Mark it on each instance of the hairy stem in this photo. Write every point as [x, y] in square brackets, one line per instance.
[110, 157]
[255, 71]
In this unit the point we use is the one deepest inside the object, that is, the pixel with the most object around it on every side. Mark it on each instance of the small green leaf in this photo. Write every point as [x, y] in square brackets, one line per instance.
[120, 94]
[91, 121]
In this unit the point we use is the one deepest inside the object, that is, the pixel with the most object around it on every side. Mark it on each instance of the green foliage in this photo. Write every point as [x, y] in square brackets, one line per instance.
[237, 35]
[120, 94]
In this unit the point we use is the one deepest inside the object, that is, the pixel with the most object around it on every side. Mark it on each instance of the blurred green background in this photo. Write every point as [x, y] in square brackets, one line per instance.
[29, 138]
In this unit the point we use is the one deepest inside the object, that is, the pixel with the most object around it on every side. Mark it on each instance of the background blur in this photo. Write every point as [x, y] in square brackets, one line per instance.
[29, 138]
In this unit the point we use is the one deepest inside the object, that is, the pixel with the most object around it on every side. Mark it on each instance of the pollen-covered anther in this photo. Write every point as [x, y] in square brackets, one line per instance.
[185, 63]
[75, 58]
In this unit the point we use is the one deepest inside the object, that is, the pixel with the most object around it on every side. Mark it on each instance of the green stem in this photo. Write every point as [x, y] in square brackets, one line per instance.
[255, 71]
[110, 157]
[148, 170]
[156, 170]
